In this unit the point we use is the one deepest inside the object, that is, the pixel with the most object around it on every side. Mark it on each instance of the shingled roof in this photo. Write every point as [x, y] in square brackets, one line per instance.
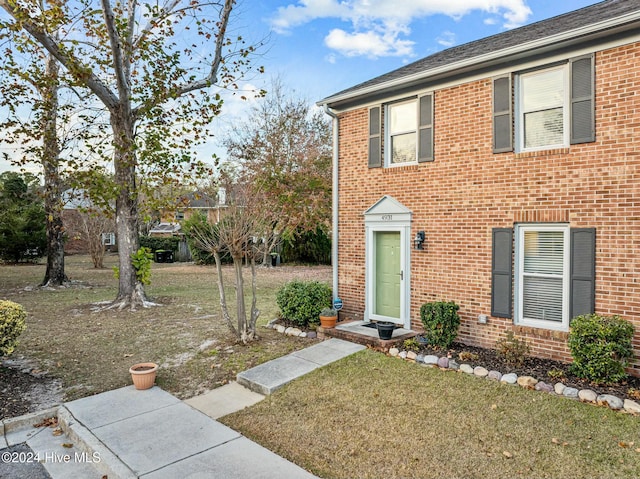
[508, 42]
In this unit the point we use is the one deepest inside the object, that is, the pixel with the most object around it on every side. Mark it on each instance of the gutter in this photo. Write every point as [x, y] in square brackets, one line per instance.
[334, 201]
[528, 47]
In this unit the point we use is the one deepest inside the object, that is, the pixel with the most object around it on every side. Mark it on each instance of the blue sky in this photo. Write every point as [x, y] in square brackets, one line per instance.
[320, 47]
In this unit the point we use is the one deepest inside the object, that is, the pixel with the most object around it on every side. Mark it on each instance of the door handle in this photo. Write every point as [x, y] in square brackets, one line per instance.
[401, 275]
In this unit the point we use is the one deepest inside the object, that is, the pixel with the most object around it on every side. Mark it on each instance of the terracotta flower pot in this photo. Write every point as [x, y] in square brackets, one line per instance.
[143, 375]
[328, 321]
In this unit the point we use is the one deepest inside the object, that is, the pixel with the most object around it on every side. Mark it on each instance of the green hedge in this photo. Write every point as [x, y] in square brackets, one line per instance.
[12, 324]
[441, 322]
[154, 244]
[301, 301]
[600, 347]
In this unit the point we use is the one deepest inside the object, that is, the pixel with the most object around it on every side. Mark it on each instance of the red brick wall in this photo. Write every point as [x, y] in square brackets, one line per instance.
[468, 190]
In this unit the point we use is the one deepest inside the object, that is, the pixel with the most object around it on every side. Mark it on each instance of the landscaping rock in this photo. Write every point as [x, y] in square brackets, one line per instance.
[631, 406]
[431, 360]
[511, 378]
[466, 368]
[294, 332]
[394, 352]
[280, 328]
[480, 372]
[443, 362]
[411, 356]
[303, 334]
[453, 364]
[527, 382]
[587, 395]
[571, 393]
[613, 402]
[495, 375]
[420, 358]
[312, 335]
[544, 387]
[286, 331]
[559, 388]
[403, 354]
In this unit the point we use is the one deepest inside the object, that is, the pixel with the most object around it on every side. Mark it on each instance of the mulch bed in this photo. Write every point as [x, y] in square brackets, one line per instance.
[14, 388]
[539, 369]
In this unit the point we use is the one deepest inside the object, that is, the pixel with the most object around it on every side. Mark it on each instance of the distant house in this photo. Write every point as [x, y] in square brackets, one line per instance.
[196, 202]
[503, 174]
[78, 223]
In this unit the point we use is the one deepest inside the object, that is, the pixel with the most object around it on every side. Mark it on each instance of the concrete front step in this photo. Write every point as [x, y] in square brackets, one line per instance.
[271, 376]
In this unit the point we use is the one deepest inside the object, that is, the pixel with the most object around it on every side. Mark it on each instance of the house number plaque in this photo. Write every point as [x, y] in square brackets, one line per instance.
[386, 217]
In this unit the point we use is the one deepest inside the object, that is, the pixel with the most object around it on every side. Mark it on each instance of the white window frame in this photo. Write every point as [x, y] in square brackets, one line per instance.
[387, 128]
[566, 107]
[519, 272]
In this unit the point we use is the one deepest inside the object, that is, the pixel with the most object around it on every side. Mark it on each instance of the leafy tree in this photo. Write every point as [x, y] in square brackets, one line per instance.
[156, 70]
[22, 222]
[284, 153]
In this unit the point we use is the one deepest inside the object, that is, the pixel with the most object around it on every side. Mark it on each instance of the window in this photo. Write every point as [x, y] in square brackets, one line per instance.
[542, 279]
[554, 107]
[403, 119]
[179, 215]
[108, 239]
[553, 274]
[408, 132]
[543, 109]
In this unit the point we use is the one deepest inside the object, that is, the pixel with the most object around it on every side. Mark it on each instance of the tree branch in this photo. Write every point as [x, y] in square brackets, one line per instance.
[73, 65]
[119, 67]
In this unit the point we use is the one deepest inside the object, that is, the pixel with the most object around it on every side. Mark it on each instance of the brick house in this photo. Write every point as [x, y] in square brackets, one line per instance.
[517, 158]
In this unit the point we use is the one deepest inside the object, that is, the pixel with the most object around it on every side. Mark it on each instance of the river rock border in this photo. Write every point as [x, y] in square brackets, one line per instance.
[289, 331]
[527, 382]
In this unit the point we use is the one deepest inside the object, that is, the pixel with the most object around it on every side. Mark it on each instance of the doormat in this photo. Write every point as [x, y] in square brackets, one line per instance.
[373, 325]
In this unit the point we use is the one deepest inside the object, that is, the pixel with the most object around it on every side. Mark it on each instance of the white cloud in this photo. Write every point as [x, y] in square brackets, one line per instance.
[447, 39]
[381, 27]
[371, 44]
[490, 21]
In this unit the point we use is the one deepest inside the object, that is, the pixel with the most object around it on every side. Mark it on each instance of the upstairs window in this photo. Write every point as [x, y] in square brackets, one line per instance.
[403, 119]
[551, 108]
[543, 109]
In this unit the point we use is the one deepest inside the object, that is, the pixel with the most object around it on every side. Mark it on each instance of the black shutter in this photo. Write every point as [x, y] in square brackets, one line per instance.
[375, 153]
[502, 273]
[582, 100]
[502, 121]
[583, 271]
[425, 128]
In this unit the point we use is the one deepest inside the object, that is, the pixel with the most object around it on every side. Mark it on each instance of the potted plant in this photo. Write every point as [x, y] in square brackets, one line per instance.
[328, 318]
[143, 375]
[385, 329]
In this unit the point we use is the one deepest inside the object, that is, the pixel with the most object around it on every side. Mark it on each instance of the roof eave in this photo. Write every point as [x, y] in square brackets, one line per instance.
[575, 36]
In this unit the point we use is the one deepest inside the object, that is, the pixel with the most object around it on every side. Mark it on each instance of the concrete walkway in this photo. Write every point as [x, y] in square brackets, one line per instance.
[151, 434]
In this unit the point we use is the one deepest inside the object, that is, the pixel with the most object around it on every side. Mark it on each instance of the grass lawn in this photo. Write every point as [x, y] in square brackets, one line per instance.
[372, 416]
[91, 350]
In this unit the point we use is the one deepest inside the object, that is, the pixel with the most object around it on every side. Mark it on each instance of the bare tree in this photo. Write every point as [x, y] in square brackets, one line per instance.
[158, 92]
[238, 234]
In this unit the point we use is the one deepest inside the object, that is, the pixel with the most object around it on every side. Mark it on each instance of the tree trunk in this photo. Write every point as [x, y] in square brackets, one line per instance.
[223, 296]
[240, 306]
[54, 275]
[130, 291]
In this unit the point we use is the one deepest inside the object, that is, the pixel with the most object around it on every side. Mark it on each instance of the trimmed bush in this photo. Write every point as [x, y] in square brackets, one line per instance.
[600, 347]
[154, 244]
[441, 322]
[12, 324]
[513, 350]
[302, 301]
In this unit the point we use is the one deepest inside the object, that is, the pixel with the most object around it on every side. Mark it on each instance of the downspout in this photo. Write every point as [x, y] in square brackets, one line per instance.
[334, 201]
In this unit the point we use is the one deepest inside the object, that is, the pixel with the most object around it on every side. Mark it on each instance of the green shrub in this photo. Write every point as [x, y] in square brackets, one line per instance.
[600, 347]
[302, 301]
[513, 350]
[441, 321]
[12, 324]
[153, 243]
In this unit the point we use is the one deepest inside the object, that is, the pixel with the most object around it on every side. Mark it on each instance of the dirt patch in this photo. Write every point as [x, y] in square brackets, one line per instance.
[24, 391]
